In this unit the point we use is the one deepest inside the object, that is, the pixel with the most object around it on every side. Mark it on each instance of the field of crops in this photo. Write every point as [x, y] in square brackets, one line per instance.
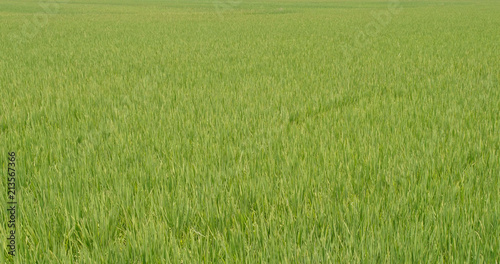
[242, 131]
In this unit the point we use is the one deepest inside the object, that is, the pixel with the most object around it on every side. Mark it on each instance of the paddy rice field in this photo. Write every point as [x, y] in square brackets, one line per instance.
[243, 131]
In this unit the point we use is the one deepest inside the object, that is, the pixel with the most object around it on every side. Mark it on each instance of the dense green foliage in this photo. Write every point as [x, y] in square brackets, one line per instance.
[252, 132]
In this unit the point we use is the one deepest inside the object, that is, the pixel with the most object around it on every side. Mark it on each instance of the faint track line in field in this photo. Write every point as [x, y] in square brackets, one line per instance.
[32, 27]
[338, 103]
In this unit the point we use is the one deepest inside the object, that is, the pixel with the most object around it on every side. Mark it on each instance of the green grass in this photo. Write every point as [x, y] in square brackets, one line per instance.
[260, 132]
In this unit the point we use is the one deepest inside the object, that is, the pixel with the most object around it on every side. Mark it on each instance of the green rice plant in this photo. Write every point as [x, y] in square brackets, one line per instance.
[289, 131]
